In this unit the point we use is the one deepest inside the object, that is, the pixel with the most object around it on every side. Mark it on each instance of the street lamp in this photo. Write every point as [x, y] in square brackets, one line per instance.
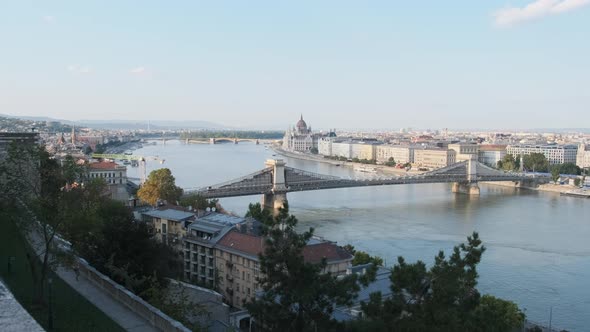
[50, 311]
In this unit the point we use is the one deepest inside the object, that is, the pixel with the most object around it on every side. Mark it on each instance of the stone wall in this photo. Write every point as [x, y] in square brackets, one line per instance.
[154, 316]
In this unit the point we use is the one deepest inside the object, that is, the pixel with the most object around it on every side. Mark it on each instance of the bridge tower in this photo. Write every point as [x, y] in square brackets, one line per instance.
[469, 187]
[276, 199]
[212, 140]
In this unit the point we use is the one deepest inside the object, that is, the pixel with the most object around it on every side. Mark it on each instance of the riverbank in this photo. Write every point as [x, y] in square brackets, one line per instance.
[378, 169]
[548, 187]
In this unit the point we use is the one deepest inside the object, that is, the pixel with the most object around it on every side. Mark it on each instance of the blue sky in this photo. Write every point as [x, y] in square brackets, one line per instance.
[343, 64]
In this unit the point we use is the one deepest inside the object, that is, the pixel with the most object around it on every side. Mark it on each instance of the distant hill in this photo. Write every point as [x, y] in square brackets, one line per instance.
[128, 124]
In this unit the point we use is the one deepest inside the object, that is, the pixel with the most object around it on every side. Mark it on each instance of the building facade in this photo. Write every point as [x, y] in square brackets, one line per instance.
[300, 138]
[401, 154]
[115, 176]
[491, 154]
[363, 150]
[463, 151]
[238, 264]
[555, 154]
[583, 156]
[200, 253]
[434, 158]
[169, 225]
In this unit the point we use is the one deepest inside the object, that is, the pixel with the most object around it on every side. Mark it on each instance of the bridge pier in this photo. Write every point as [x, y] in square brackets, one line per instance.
[468, 188]
[274, 202]
[212, 140]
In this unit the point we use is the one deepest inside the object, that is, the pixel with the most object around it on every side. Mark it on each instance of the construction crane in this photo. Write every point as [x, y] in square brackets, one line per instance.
[140, 159]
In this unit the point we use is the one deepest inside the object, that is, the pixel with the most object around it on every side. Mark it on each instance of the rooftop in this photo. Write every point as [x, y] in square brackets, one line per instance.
[169, 214]
[105, 165]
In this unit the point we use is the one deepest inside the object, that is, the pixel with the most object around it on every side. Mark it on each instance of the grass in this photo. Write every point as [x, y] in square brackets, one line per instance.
[71, 311]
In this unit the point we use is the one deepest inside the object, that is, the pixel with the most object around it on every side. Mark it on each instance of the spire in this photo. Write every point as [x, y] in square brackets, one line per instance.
[301, 116]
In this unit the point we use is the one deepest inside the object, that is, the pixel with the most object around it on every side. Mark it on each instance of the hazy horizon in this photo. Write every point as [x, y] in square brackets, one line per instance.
[514, 65]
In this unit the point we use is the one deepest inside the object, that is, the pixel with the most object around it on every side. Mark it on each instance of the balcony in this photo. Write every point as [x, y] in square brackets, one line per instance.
[229, 277]
[229, 264]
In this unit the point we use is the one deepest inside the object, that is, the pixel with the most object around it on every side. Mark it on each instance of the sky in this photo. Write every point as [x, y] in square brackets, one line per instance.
[342, 64]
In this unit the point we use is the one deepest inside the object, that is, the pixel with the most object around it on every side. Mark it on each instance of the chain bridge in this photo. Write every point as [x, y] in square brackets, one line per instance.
[277, 179]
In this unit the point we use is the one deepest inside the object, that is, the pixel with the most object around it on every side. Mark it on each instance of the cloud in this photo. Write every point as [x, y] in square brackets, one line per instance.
[49, 19]
[138, 70]
[540, 8]
[78, 69]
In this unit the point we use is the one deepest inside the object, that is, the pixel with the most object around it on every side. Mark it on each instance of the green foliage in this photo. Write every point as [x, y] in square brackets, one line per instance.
[297, 295]
[494, 314]
[160, 185]
[361, 258]
[314, 150]
[577, 182]
[569, 168]
[555, 173]
[198, 202]
[536, 162]
[390, 162]
[509, 163]
[442, 298]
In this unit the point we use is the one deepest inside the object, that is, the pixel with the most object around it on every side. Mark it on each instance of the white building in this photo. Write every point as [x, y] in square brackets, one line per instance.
[400, 154]
[555, 154]
[464, 150]
[583, 156]
[115, 176]
[300, 138]
[490, 154]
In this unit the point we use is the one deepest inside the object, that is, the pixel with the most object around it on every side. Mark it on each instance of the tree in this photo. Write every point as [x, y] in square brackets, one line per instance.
[160, 185]
[555, 173]
[494, 314]
[577, 182]
[442, 298]
[361, 258]
[33, 182]
[536, 162]
[314, 150]
[297, 296]
[390, 162]
[569, 168]
[509, 163]
[197, 202]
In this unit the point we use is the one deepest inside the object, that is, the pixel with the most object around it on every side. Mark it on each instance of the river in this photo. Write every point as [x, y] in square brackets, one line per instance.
[537, 243]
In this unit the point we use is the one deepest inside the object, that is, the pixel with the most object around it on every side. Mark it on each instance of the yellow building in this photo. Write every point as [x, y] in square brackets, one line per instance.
[238, 265]
[464, 150]
[434, 158]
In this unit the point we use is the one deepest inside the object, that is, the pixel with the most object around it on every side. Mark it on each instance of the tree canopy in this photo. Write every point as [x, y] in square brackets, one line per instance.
[297, 296]
[536, 162]
[442, 298]
[160, 185]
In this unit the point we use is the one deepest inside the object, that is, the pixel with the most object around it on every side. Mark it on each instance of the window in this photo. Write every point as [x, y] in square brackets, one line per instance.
[243, 275]
[248, 291]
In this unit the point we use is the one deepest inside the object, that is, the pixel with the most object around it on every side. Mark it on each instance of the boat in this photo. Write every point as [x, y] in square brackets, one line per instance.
[365, 169]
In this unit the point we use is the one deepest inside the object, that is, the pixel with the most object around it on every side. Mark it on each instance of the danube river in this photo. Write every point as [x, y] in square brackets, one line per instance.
[538, 243]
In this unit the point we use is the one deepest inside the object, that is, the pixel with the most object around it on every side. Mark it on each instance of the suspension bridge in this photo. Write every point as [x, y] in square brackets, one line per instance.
[277, 179]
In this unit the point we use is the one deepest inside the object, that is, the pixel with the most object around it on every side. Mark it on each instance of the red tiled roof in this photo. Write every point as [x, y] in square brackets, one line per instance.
[316, 252]
[104, 165]
[254, 245]
[246, 243]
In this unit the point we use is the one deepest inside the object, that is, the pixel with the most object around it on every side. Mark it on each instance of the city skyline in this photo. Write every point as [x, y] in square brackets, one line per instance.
[521, 64]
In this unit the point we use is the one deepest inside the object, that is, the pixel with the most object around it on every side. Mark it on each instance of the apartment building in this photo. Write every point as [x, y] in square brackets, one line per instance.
[434, 158]
[169, 224]
[399, 153]
[583, 156]
[555, 153]
[200, 245]
[238, 264]
[463, 151]
[491, 154]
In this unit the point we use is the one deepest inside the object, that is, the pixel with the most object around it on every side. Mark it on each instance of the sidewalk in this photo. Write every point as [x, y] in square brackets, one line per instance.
[118, 312]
